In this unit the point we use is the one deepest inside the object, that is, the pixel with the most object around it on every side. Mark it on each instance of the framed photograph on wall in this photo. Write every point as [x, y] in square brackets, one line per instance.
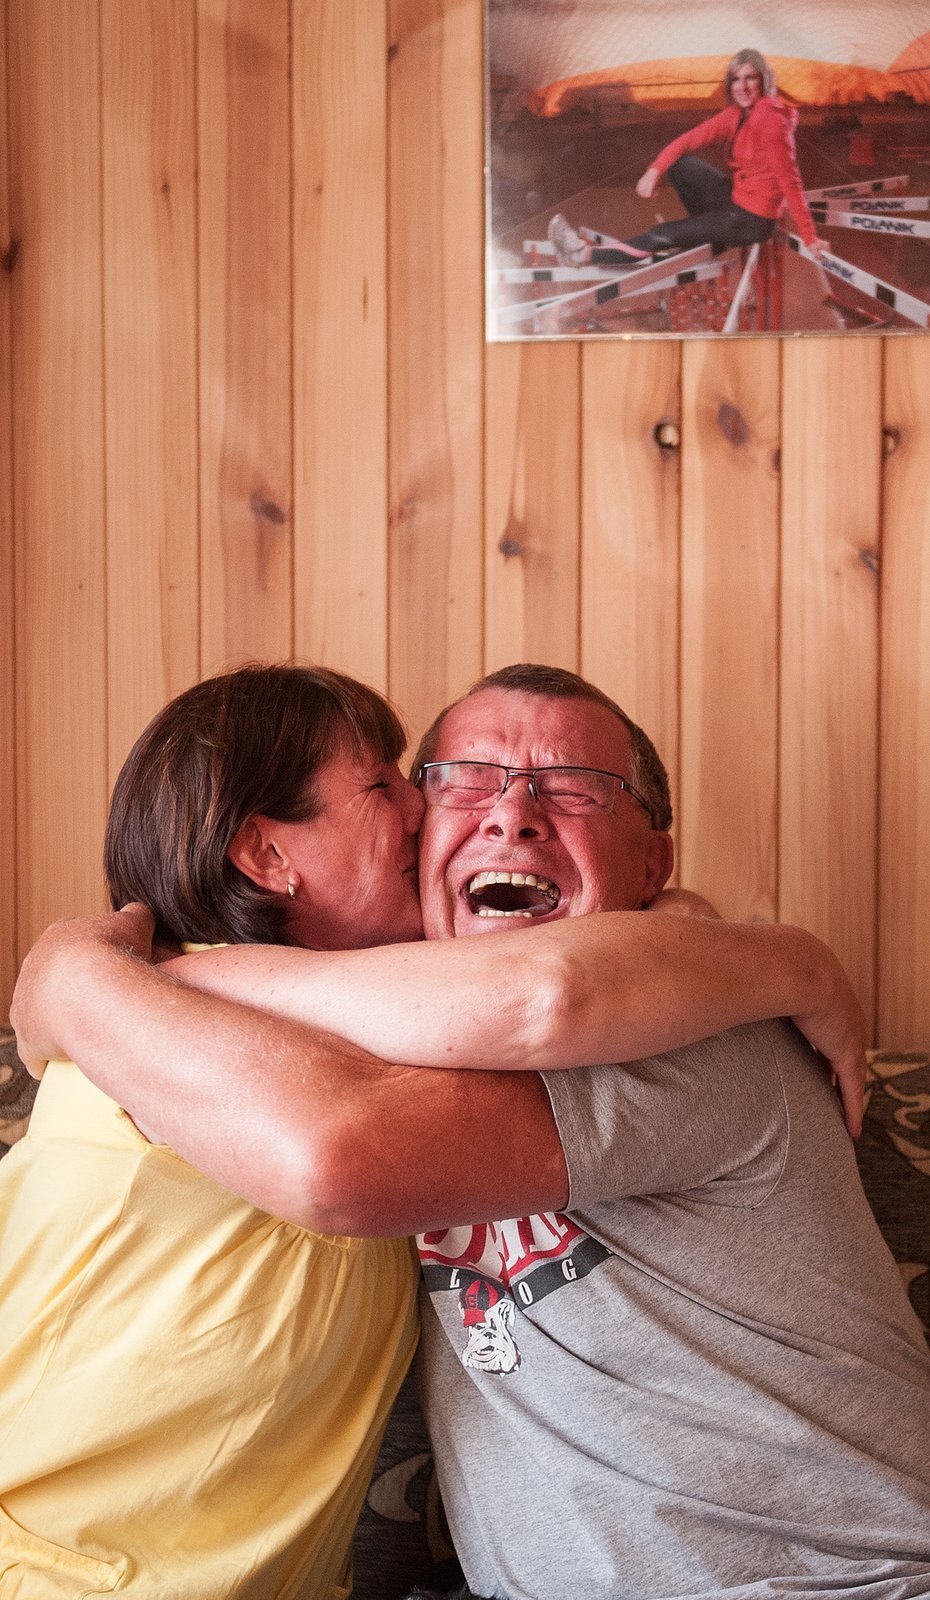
[660, 167]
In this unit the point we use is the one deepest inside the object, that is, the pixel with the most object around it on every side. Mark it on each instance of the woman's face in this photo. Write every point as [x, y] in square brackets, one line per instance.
[745, 87]
[355, 864]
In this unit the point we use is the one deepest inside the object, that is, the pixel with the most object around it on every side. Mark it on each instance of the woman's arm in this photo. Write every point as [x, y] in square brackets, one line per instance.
[781, 151]
[616, 986]
[302, 1125]
[713, 130]
[291, 1119]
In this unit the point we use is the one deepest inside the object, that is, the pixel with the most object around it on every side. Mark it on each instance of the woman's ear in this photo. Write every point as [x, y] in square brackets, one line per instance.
[254, 850]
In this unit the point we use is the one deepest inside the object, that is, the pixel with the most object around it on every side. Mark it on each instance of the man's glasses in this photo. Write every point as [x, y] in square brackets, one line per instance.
[569, 791]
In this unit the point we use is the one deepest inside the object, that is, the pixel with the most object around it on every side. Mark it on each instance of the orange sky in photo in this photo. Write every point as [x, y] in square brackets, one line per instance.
[699, 79]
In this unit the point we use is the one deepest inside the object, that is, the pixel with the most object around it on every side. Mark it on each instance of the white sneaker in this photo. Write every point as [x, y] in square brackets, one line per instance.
[569, 246]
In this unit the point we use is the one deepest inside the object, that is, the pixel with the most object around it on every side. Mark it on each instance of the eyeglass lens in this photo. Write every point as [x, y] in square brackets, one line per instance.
[564, 789]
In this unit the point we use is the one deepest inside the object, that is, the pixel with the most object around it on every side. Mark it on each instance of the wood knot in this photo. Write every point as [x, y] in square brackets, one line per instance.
[667, 435]
[11, 253]
[870, 560]
[407, 508]
[392, 51]
[267, 510]
[891, 438]
[733, 424]
[512, 541]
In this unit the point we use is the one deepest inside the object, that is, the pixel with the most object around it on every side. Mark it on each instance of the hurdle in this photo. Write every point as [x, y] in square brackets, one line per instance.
[890, 207]
[897, 300]
[657, 276]
[508, 275]
[842, 191]
[872, 206]
[545, 247]
[742, 289]
[899, 227]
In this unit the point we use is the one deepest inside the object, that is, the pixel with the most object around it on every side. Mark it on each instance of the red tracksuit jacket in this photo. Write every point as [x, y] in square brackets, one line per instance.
[761, 156]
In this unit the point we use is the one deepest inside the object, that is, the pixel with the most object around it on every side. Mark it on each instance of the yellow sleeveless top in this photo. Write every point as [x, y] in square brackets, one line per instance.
[192, 1392]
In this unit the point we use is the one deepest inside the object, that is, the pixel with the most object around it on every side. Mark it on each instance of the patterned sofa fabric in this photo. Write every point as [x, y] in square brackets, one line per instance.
[894, 1163]
[17, 1092]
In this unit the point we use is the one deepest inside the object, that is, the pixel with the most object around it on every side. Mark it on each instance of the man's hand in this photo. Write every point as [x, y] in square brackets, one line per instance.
[648, 183]
[52, 967]
[837, 1029]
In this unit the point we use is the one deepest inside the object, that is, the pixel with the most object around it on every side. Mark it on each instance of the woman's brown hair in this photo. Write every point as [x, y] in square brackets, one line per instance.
[246, 742]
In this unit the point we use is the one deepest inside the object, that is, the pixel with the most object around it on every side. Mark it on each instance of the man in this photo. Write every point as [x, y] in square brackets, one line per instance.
[679, 1386]
[683, 1371]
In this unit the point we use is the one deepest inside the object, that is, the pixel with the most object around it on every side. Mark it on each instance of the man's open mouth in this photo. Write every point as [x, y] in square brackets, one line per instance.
[511, 894]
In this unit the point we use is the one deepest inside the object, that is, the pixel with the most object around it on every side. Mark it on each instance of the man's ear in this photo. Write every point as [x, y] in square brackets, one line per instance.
[660, 859]
[255, 851]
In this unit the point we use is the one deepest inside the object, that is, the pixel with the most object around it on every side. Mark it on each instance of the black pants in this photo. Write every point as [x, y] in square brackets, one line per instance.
[712, 217]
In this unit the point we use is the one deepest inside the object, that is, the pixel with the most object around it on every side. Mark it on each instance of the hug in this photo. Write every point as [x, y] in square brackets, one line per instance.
[455, 1029]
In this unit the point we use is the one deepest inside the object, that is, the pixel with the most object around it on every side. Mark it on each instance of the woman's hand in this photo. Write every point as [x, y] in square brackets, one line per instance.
[837, 1029]
[835, 1025]
[51, 969]
[682, 903]
[648, 183]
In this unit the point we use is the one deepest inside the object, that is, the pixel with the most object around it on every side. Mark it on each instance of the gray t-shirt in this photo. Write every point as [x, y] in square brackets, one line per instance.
[706, 1379]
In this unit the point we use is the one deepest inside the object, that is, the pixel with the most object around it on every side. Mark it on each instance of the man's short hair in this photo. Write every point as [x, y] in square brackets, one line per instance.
[556, 683]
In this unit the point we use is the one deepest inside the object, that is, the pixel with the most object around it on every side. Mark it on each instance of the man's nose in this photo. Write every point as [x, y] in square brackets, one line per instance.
[516, 814]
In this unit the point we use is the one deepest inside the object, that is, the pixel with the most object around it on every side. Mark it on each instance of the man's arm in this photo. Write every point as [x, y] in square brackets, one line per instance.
[306, 1127]
[614, 987]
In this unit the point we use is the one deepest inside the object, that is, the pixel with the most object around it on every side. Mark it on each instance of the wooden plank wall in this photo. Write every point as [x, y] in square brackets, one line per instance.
[246, 409]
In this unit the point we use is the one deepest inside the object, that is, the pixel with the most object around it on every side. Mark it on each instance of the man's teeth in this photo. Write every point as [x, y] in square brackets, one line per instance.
[481, 879]
[512, 894]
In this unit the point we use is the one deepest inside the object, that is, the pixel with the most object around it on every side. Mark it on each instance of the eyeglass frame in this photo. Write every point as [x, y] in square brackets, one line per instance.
[530, 773]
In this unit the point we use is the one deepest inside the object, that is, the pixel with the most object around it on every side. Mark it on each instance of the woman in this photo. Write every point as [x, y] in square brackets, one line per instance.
[757, 128]
[193, 1392]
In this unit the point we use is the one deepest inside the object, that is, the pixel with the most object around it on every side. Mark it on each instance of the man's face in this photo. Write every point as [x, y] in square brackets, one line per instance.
[609, 861]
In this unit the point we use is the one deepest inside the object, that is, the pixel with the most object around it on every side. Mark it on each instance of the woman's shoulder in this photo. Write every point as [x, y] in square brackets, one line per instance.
[772, 109]
[724, 119]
